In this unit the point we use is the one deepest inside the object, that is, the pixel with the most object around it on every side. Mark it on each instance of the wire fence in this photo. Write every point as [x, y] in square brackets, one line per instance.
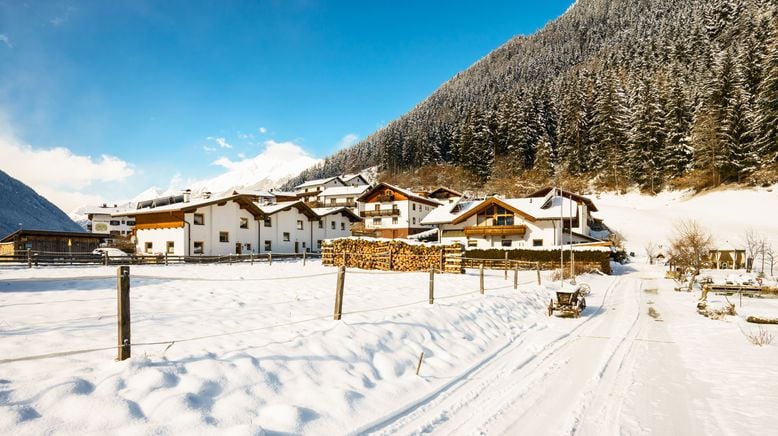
[451, 282]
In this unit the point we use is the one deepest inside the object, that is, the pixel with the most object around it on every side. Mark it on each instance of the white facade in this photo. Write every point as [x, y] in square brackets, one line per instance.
[101, 221]
[394, 212]
[513, 223]
[318, 185]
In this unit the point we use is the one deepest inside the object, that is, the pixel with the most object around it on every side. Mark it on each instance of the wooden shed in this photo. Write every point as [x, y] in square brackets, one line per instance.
[52, 241]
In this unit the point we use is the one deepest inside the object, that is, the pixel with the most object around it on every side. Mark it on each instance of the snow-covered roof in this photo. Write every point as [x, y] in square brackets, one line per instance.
[316, 182]
[107, 210]
[324, 211]
[533, 207]
[449, 212]
[410, 194]
[344, 190]
[194, 203]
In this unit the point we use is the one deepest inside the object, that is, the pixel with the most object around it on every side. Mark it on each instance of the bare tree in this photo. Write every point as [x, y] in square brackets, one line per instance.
[754, 245]
[651, 251]
[690, 248]
[770, 254]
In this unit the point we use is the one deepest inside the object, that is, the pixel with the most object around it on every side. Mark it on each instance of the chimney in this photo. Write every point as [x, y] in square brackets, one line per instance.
[187, 195]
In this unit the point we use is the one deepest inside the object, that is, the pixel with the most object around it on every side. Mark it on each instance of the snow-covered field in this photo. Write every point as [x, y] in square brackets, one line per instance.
[242, 349]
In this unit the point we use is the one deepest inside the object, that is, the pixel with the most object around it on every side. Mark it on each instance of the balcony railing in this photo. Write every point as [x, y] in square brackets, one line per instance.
[316, 204]
[385, 198]
[381, 212]
[495, 230]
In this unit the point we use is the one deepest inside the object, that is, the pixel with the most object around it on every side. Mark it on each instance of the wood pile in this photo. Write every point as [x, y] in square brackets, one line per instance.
[391, 255]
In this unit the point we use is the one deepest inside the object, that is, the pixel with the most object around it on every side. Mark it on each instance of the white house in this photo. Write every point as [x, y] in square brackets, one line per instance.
[101, 221]
[312, 188]
[236, 224]
[392, 212]
[354, 180]
[202, 226]
[339, 196]
[542, 221]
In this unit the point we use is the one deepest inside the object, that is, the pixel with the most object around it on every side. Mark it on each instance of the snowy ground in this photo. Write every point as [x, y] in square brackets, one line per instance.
[493, 364]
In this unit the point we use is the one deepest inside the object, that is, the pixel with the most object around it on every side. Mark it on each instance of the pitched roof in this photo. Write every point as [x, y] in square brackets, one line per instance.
[325, 211]
[531, 208]
[246, 201]
[449, 212]
[579, 198]
[317, 182]
[344, 190]
[410, 194]
[272, 209]
[444, 190]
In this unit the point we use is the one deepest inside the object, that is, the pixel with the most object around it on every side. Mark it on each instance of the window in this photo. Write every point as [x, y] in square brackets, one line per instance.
[147, 247]
[394, 220]
[244, 223]
[349, 200]
[321, 224]
[299, 224]
[170, 247]
[199, 219]
[199, 247]
[122, 221]
[268, 246]
[495, 216]
[537, 242]
[376, 221]
[414, 220]
[248, 247]
[414, 206]
[286, 236]
[472, 243]
[343, 226]
[332, 225]
[115, 233]
[377, 207]
[268, 222]
[506, 243]
[303, 244]
[130, 223]
[224, 237]
[318, 244]
[332, 201]
[114, 222]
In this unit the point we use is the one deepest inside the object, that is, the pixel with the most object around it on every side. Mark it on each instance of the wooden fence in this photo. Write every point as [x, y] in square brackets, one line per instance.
[33, 258]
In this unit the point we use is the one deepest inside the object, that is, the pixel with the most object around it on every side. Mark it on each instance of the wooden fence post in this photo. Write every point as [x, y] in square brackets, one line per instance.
[442, 259]
[105, 258]
[229, 258]
[123, 298]
[166, 259]
[537, 266]
[252, 258]
[516, 276]
[270, 257]
[304, 257]
[481, 272]
[29, 258]
[418, 367]
[432, 285]
[507, 265]
[390, 259]
[339, 293]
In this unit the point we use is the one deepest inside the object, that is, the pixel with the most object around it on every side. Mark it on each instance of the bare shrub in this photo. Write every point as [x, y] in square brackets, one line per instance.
[689, 248]
[760, 338]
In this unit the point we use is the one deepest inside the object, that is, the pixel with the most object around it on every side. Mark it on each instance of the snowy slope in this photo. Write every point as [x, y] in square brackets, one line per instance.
[22, 207]
[727, 214]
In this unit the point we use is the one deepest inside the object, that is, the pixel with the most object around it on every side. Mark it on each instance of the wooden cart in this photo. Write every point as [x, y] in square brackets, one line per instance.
[568, 302]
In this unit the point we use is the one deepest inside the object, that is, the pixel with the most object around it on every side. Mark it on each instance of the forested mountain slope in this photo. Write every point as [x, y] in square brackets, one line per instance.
[620, 92]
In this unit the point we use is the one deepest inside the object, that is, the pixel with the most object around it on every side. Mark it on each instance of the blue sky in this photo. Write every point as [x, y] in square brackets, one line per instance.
[151, 90]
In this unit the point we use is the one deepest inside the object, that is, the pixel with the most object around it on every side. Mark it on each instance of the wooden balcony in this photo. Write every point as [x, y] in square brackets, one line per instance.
[316, 204]
[495, 230]
[381, 212]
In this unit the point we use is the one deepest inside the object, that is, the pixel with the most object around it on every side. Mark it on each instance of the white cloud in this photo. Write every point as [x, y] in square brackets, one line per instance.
[208, 149]
[277, 163]
[262, 130]
[221, 141]
[245, 135]
[57, 173]
[348, 140]
[4, 39]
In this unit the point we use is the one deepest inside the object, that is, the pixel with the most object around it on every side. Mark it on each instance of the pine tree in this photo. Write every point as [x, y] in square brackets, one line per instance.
[766, 121]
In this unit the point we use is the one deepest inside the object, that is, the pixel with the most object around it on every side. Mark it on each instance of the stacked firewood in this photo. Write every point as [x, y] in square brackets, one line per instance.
[383, 254]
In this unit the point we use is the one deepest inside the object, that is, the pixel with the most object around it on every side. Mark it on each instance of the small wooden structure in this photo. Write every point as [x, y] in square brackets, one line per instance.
[571, 301]
[52, 241]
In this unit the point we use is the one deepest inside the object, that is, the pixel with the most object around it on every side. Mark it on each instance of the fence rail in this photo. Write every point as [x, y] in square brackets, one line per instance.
[34, 258]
